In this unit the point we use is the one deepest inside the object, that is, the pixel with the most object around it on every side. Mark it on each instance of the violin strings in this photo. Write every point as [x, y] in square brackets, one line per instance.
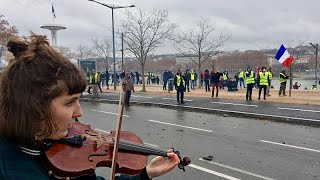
[142, 145]
[138, 148]
[133, 146]
[141, 149]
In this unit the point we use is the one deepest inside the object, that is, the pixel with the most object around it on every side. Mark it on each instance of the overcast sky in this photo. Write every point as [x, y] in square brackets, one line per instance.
[253, 24]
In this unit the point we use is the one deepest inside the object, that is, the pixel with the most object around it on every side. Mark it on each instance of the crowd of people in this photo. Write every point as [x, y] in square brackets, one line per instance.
[215, 80]
[212, 81]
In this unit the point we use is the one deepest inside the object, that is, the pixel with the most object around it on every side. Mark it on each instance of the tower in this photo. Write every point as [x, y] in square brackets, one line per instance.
[53, 28]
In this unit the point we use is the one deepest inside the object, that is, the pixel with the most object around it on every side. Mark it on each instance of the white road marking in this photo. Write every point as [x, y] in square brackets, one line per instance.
[236, 169]
[240, 112]
[297, 147]
[212, 172]
[148, 97]
[109, 133]
[112, 94]
[181, 126]
[108, 113]
[292, 109]
[234, 104]
[176, 99]
[306, 139]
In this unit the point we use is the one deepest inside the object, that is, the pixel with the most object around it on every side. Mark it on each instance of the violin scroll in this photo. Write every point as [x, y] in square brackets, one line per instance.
[183, 161]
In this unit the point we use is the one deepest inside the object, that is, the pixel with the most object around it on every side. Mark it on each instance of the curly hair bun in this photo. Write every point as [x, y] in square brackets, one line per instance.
[28, 48]
[17, 47]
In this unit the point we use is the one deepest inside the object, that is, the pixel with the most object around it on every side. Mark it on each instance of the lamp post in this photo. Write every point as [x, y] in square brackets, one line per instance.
[112, 7]
[122, 65]
[317, 48]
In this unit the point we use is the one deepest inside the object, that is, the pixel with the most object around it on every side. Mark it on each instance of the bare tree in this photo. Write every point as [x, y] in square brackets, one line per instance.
[66, 51]
[6, 32]
[102, 48]
[144, 32]
[198, 44]
[83, 52]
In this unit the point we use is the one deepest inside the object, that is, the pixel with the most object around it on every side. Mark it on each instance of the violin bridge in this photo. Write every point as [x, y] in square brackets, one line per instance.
[99, 140]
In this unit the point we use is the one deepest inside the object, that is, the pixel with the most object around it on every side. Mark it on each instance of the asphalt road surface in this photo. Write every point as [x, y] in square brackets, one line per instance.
[242, 148]
[298, 113]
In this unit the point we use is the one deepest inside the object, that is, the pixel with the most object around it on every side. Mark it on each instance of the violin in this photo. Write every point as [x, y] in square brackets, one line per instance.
[84, 149]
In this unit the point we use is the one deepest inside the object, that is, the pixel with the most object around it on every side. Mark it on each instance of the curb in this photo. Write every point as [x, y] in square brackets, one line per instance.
[259, 116]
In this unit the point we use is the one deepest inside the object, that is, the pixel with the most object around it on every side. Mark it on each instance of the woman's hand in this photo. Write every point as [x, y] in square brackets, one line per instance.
[161, 165]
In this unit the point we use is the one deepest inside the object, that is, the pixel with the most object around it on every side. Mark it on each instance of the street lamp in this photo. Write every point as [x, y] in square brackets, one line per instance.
[112, 7]
[317, 48]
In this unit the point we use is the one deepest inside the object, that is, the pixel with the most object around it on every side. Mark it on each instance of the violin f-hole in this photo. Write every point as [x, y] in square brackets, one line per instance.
[93, 155]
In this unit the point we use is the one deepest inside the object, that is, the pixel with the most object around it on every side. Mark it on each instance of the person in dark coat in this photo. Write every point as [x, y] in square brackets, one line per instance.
[107, 76]
[128, 81]
[187, 77]
[207, 80]
[137, 77]
[165, 77]
[215, 81]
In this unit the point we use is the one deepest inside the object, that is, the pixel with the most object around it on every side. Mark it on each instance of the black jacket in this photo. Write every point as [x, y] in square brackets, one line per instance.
[215, 77]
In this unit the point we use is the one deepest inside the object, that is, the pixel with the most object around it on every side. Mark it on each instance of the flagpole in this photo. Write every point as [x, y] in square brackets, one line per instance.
[291, 76]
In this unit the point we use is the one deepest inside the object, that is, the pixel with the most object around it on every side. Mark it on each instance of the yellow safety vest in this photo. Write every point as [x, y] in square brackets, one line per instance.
[241, 74]
[263, 78]
[90, 79]
[282, 80]
[96, 78]
[270, 75]
[179, 81]
[192, 76]
[313, 88]
[224, 76]
[250, 79]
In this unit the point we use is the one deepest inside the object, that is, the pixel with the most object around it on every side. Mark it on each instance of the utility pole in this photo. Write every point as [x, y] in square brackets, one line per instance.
[316, 71]
[122, 65]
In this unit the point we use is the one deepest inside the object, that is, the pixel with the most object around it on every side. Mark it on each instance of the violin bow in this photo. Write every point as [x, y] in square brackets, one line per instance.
[123, 94]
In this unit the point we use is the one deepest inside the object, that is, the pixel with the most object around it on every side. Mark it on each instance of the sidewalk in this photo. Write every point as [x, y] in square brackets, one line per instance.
[304, 97]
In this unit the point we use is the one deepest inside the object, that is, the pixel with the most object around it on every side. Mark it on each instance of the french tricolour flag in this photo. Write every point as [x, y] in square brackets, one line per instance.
[53, 13]
[284, 57]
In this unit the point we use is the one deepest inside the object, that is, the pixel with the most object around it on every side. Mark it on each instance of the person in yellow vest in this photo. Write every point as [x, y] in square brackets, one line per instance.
[193, 79]
[225, 79]
[250, 81]
[98, 80]
[270, 73]
[180, 86]
[91, 80]
[283, 82]
[149, 75]
[313, 88]
[263, 80]
[241, 78]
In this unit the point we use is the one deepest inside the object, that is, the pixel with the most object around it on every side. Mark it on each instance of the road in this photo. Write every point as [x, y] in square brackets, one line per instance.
[242, 148]
[293, 113]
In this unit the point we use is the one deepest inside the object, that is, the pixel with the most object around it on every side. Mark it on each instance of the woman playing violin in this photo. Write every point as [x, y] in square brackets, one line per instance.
[39, 100]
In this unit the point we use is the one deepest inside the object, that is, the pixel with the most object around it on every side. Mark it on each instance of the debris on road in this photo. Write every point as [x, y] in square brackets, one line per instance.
[208, 158]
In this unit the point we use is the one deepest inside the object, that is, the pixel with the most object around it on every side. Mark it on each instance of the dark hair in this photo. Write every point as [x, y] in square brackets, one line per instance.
[29, 83]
